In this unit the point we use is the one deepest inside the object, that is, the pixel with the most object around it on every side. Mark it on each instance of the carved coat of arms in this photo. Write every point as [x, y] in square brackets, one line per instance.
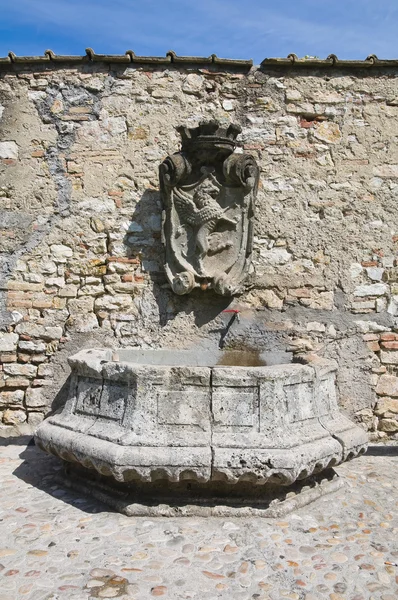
[208, 194]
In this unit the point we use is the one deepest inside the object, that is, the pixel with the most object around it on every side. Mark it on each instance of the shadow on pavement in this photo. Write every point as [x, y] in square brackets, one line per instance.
[44, 472]
[382, 450]
[21, 440]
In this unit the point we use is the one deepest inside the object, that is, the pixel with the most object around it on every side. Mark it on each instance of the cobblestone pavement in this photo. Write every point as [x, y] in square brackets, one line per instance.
[57, 545]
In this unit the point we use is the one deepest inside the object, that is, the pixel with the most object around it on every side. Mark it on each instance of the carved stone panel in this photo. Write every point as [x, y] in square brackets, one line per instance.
[235, 407]
[93, 398]
[184, 407]
[88, 396]
[208, 194]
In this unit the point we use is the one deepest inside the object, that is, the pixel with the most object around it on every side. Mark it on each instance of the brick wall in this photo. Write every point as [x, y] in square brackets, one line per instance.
[81, 254]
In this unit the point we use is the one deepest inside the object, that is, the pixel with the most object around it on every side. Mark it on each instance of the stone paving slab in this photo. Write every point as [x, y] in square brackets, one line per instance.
[55, 544]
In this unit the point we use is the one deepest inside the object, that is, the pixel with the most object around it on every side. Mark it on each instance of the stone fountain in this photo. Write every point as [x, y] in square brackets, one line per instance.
[190, 432]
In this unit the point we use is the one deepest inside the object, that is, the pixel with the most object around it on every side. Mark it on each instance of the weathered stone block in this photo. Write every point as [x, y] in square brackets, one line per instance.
[265, 298]
[387, 386]
[367, 418]
[40, 84]
[42, 302]
[35, 418]
[276, 256]
[114, 303]
[33, 277]
[393, 306]
[95, 266]
[47, 267]
[34, 398]
[69, 291]
[82, 305]
[8, 357]
[193, 84]
[36, 359]
[292, 95]
[12, 398]
[373, 346]
[45, 370]
[386, 405]
[9, 150]
[24, 286]
[132, 288]
[375, 289]
[369, 326]
[389, 358]
[39, 331]
[387, 171]
[389, 425]
[375, 273]
[20, 370]
[82, 323]
[61, 253]
[8, 342]
[14, 417]
[31, 346]
[16, 382]
[328, 132]
[91, 290]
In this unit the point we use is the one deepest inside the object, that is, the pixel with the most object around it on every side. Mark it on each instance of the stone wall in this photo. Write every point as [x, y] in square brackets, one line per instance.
[81, 252]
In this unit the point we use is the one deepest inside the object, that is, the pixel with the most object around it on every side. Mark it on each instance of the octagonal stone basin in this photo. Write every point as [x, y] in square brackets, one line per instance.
[149, 415]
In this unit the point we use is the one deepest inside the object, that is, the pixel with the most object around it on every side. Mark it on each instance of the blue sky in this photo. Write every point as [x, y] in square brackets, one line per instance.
[230, 28]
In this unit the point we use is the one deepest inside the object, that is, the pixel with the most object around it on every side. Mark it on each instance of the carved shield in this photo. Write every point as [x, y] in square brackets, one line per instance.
[208, 194]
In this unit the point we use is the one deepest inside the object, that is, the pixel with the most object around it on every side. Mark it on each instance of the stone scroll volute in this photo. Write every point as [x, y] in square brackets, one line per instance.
[208, 194]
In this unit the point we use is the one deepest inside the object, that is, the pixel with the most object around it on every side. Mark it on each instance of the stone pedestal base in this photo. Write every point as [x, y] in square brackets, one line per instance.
[188, 499]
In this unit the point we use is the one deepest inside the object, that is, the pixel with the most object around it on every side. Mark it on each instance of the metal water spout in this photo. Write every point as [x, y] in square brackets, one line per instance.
[235, 317]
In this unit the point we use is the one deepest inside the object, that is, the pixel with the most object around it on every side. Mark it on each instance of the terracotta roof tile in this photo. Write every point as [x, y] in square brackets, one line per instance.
[128, 58]
[172, 58]
[331, 61]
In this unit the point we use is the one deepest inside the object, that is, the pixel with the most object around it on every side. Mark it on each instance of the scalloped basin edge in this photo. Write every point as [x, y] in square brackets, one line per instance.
[134, 417]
